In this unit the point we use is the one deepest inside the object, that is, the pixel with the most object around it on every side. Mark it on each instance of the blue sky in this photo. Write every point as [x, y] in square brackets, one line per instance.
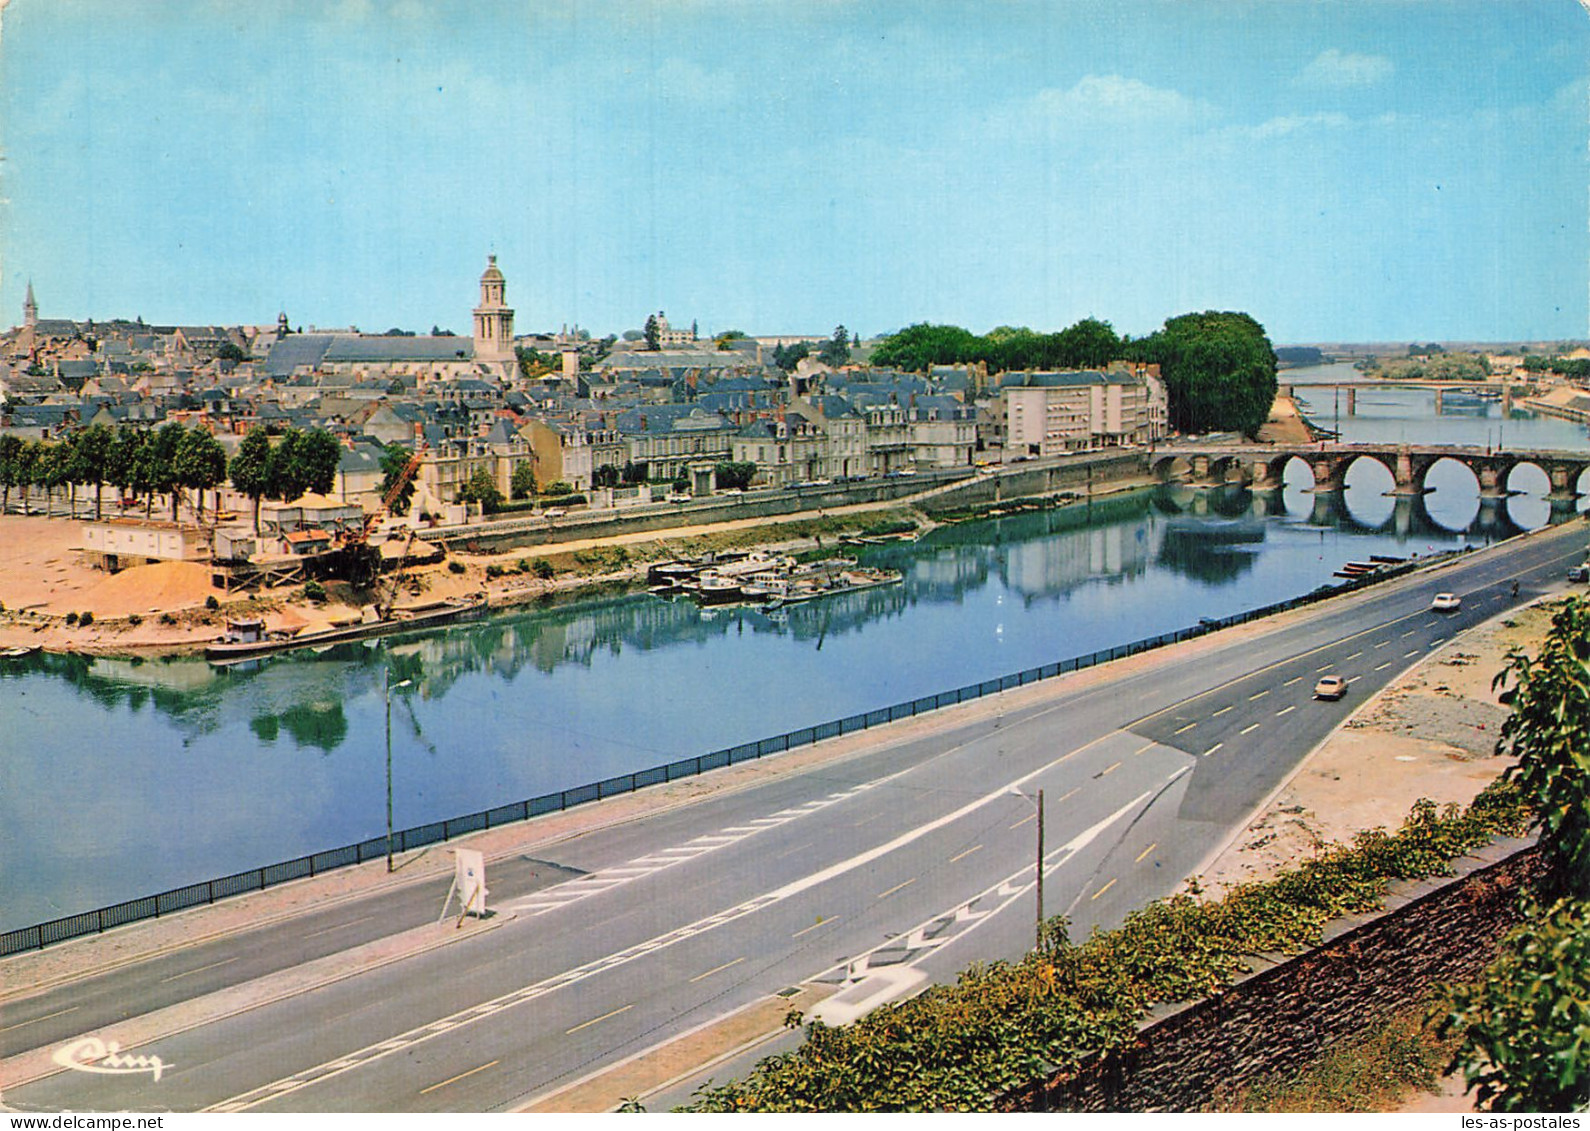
[1366, 170]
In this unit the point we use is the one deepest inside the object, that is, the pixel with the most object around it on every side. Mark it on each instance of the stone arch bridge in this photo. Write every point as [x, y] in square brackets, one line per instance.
[1261, 466]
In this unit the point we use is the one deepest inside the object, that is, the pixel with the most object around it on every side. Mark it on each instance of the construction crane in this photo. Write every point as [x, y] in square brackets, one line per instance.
[372, 520]
[365, 557]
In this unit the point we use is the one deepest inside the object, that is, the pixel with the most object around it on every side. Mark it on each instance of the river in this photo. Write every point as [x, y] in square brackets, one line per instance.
[122, 778]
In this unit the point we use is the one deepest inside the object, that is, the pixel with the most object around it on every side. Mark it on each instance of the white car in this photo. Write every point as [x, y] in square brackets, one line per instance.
[1446, 603]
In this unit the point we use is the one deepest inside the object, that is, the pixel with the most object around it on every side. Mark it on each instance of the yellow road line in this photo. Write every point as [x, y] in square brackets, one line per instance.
[964, 855]
[897, 887]
[1024, 820]
[1147, 746]
[592, 1021]
[46, 1017]
[1246, 729]
[1112, 768]
[201, 969]
[821, 922]
[1189, 726]
[1220, 712]
[1102, 890]
[1145, 852]
[461, 1075]
[1068, 793]
[1260, 695]
[714, 970]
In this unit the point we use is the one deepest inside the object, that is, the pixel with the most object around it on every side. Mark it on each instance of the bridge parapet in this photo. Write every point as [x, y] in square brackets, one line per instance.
[1262, 465]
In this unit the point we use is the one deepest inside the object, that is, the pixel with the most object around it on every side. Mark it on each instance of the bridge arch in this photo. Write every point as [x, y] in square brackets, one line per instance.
[1172, 469]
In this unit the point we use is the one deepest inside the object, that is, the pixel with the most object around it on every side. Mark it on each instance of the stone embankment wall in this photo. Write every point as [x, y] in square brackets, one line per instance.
[1281, 1016]
[1077, 474]
[939, 491]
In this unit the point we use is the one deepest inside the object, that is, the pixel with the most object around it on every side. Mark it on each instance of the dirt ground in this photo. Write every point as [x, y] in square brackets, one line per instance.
[45, 575]
[1430, 734]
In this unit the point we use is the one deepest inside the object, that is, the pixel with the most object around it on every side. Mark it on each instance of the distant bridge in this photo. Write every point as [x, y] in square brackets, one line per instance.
[1262, 466]
[1501, 389]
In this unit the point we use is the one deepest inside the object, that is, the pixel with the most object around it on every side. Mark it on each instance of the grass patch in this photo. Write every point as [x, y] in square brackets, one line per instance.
[1380, 1071]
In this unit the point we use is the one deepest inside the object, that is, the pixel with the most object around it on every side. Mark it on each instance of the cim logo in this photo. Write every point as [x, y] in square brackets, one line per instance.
[90, 1054]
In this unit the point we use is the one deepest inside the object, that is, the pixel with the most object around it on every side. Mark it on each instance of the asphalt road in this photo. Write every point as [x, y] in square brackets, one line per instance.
[875, 874]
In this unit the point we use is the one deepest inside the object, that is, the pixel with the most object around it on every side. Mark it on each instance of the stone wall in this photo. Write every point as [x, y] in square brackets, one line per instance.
[1281, 1016]
[1078, 474]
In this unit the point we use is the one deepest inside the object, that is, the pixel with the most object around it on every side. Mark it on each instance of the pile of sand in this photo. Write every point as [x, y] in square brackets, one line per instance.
[147, 588]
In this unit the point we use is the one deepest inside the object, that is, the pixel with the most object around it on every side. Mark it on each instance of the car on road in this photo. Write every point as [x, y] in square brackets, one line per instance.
[1446, 603]
[1330, 687]
[554, 512]
[1579, 573]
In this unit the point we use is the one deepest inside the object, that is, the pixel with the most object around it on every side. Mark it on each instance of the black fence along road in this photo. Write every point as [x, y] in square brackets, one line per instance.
[257, 879]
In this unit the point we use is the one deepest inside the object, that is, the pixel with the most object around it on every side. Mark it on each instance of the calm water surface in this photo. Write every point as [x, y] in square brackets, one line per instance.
[122, 778]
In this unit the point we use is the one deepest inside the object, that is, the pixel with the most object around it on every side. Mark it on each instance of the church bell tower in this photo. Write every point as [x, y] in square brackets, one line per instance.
[493, 318]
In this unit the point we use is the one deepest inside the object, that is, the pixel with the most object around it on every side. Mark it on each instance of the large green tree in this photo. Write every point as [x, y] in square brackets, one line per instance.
[94, 445]
[1526, 1023]
[480, 488]
[250, 467]
[394, 462]
[10, 451]
[1219, 371]
[735, 474]
[922, 345]
[24, 468]
[1548, 733]
[121, 461]
[200, 464]
[160, 458]
[836, 350]
[300, 462]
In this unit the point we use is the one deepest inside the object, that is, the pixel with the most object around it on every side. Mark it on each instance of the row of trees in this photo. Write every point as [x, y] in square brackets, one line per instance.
[1218, 366]
[136, 462]
[168, 461]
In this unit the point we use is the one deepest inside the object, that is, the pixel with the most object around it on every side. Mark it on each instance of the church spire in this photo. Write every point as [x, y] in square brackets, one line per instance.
[30, 309]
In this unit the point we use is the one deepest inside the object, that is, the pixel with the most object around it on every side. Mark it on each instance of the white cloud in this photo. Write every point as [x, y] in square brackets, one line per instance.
[1333, 68]
[1291, 124]
[1098, 101]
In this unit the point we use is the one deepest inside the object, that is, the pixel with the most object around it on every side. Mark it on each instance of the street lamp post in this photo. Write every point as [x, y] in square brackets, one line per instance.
[1038, 930]
[388, 686]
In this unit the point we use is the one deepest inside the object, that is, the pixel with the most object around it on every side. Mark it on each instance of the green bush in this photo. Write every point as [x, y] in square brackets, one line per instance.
[71, 618]
[1526, 1021]
[313, 591]
[212, 604]
[135, 620]
[494, 571]
[544, 569]
[524, 565]
[167, 618]
[455, 567]
[85, 618]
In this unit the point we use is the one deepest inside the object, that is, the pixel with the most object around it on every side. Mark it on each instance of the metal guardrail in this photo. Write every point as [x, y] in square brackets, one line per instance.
[257, 879]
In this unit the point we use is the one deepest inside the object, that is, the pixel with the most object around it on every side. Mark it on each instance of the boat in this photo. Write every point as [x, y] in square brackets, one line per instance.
[715, 589]
[19, 652]
[246, 640]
